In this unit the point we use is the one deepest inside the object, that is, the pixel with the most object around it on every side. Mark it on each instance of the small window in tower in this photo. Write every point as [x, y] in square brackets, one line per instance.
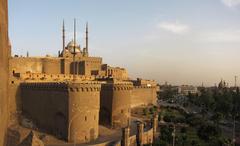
[13, 72]
[121, 111]
[85, 118]
[12, 82]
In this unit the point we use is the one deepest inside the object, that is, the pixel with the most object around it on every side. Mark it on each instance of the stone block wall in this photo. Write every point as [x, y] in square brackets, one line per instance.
[46, 104]
[25, 64]
[4, 55]
[84, 105]
[143, 95]
[68, 110]
[115, 102]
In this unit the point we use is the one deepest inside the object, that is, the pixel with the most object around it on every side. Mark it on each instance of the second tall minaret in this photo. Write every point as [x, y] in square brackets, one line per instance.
[87, 38]
[63, 35]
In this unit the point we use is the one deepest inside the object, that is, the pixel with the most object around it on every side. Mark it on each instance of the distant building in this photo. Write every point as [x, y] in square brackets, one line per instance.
[186, 89]
[222, 84]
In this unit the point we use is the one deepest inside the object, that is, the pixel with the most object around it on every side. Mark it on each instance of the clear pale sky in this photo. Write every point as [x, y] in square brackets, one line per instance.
[179, 41]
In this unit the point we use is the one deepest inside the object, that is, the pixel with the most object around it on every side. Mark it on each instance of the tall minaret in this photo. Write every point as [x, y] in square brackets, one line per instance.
[63, 35]
[74, 50]
[87, 38]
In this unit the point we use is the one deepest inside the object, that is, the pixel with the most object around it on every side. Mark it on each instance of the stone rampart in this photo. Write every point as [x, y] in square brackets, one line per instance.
[47, 105]
[4, 56]
[62, 108]
[143, 95]
[84, 106]
[115, 104]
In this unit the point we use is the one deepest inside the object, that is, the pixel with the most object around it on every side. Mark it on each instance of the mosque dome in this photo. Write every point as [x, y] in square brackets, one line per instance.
[71, 45]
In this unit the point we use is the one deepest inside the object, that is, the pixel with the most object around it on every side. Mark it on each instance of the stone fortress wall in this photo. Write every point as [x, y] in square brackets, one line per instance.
[67, 110]
[4, 55]
[116, 103]
[144, 136]
[84, 105]
[67, 105]
[46, 104]
[110, 105]
[144, 92]
[55, 65]
[69, 97]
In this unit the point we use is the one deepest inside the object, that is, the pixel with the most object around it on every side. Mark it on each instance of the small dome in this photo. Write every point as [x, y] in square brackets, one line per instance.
[71, 45]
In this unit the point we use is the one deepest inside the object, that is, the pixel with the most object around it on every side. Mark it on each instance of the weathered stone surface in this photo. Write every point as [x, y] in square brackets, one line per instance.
[31, 140]
[13, 137]
[3, 69]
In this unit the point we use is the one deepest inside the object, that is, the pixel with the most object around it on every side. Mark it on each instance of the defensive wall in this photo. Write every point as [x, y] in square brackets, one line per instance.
[15, 102]
[144, 92]
[115, 104]
[62, 108]
[144, 135]
[56, 65]
[143, 95]
[4, 55]
[117, 97]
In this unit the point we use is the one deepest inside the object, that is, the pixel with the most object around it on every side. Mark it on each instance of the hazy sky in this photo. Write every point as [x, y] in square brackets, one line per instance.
[179, 41]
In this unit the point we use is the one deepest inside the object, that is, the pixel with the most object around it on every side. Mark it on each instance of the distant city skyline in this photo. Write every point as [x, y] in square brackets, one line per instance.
[181, 42]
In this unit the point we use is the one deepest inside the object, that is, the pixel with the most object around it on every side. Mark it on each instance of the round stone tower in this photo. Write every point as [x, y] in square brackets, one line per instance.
[121, 104]
[84, 103]
[116, 100]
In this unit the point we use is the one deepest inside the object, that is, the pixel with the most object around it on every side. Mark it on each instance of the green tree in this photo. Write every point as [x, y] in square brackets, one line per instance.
[217, 117]
[208, 131]
[166, 134]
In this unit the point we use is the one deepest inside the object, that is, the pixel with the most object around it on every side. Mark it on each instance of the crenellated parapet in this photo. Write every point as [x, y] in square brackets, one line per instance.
[124, 86]
[93, 86]
[51, 77]
[144, 86]
[44, 85]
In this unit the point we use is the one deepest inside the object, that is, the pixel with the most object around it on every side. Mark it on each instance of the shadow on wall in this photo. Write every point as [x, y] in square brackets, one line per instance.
[105, 117]
[60, 123]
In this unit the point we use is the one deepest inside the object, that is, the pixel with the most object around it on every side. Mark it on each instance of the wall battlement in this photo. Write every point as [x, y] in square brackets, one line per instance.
[85, 87]
[72, 87]
[42, 76]
[117, 86]
[45, 86]
[143, 86]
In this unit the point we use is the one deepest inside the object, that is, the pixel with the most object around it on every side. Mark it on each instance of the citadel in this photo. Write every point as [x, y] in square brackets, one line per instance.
[71, 95]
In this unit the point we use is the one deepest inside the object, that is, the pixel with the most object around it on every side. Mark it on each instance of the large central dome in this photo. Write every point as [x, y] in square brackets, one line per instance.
[71, 45]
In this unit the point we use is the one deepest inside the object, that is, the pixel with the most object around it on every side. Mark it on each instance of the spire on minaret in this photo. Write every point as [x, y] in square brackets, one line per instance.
[27, 54]
[74, 50]
[63, 35]
[74, 38]
[87, 38]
